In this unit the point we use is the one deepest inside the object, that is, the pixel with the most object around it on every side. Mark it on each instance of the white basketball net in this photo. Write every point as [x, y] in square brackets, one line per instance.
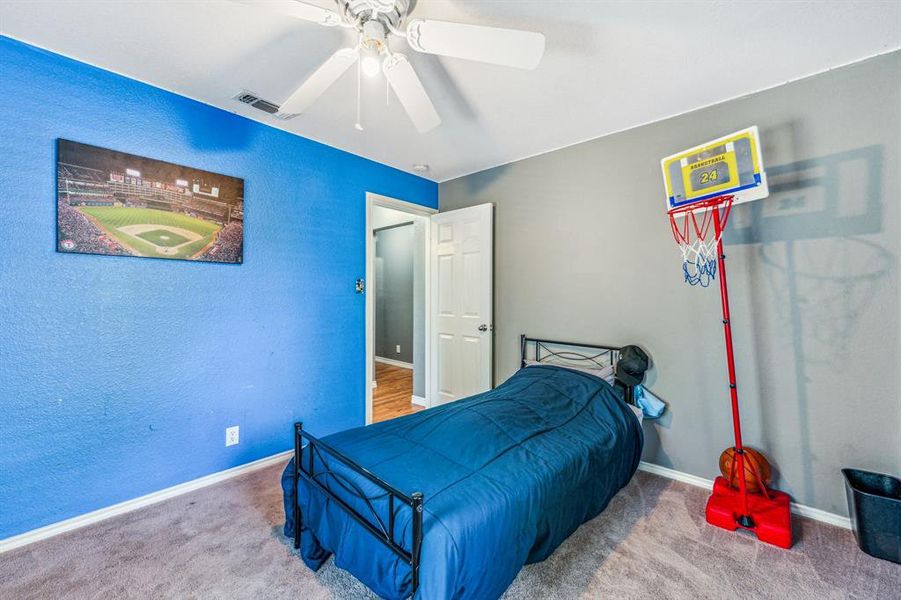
[698, 236]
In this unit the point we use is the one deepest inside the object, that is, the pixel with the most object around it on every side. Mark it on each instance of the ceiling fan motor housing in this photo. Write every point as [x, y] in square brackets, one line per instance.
[388, 12]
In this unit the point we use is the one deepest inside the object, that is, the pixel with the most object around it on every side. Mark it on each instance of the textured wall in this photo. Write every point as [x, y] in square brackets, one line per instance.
[118, 376]
[583, 251]
[394, 293]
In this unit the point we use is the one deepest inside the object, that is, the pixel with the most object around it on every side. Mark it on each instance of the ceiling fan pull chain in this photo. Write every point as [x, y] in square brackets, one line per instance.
[359, 124]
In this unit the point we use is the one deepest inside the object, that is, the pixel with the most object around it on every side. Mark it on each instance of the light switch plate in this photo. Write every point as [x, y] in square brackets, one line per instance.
[232, 435]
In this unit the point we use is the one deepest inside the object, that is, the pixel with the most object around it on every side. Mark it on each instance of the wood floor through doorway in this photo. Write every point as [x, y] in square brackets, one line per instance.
[392, 397]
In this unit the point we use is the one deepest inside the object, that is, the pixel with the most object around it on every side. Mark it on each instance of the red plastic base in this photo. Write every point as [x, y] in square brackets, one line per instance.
[771, 517]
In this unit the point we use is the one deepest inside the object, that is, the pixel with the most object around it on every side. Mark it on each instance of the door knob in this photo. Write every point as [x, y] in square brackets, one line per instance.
[483, 327]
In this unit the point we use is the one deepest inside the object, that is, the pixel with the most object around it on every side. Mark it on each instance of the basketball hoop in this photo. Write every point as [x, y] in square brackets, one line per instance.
[692, 226]
[702, 184]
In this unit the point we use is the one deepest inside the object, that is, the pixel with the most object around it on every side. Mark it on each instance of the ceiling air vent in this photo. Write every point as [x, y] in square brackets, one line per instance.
[258, 103]
[246, 98]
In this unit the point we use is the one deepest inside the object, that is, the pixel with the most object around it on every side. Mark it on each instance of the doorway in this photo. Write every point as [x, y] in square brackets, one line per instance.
[397, 316]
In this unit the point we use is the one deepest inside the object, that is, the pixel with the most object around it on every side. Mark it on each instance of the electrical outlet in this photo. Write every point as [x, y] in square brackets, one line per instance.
[232, 436]
[397, 348]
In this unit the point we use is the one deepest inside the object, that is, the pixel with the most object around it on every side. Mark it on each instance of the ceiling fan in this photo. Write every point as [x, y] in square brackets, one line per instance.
[375, 20]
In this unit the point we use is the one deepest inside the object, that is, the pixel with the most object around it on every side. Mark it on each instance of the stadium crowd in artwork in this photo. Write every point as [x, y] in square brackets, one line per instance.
[119, 204]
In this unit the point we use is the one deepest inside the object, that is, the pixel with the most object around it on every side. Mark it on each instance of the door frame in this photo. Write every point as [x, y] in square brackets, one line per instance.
[373, 200]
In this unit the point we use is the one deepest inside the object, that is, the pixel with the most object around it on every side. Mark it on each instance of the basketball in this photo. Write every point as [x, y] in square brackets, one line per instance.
[757, 469]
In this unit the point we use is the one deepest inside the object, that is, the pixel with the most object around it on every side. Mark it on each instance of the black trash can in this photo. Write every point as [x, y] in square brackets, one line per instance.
[874, 501]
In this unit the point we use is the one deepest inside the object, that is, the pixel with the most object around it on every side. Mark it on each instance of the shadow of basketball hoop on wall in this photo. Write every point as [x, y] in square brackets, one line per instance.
[821, 267]
[845, 274]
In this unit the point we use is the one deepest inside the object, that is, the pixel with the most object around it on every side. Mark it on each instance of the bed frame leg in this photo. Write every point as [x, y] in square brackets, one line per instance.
[522, 351]
[417, 541]
[298, 442]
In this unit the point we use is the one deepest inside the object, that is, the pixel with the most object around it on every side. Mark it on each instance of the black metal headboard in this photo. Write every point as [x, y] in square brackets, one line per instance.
[599, 355]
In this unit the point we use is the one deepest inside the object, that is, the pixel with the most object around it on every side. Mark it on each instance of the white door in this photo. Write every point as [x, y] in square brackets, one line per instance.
[461, 255]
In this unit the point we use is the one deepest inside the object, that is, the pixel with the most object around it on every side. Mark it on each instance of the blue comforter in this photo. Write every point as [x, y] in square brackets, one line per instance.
[507, 476]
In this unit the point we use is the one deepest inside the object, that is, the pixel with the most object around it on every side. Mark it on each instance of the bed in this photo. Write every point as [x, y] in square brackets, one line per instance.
[451, 502]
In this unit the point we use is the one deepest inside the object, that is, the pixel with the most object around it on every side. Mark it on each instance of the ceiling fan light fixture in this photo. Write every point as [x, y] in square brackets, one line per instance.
[370, 63]
[372, 42]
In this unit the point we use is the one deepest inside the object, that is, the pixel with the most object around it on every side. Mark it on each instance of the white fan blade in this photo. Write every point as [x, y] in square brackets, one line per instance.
[508, 47]
[327, 74]
[409, 91]
[298, 10]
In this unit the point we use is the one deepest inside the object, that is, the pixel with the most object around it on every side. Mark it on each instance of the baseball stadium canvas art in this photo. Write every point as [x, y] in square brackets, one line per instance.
[120, 204]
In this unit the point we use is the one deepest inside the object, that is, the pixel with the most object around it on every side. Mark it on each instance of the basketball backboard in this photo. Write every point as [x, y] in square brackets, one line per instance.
[730, 165]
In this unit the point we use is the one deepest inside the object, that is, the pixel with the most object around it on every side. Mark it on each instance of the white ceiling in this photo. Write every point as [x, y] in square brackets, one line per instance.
[608, 66]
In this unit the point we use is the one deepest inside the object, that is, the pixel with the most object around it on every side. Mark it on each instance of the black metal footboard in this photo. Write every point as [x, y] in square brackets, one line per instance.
[383, 532]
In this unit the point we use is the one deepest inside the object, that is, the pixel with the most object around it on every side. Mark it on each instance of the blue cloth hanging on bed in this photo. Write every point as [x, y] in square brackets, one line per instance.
[652, 406]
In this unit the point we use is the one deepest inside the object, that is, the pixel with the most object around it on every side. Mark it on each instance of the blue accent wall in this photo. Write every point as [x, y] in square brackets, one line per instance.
[118, 376]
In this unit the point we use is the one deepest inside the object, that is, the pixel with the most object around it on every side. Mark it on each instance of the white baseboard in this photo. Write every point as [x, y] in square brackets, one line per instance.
[48, 531]
[677, 475]
[799, 509]
[395, 363]
[42, 533]
[419, 401]
[821, 515]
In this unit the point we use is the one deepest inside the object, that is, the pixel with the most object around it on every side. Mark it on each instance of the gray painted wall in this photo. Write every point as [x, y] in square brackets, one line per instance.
[394, 293]
[583, 251]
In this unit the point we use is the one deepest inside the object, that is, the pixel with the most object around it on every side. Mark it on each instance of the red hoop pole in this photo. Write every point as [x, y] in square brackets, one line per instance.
[745, 518]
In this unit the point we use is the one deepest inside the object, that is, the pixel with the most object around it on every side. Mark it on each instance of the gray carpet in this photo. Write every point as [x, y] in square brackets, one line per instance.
[651, 542]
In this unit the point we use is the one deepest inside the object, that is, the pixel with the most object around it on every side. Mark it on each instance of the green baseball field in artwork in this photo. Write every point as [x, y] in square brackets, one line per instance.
[119, 204]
